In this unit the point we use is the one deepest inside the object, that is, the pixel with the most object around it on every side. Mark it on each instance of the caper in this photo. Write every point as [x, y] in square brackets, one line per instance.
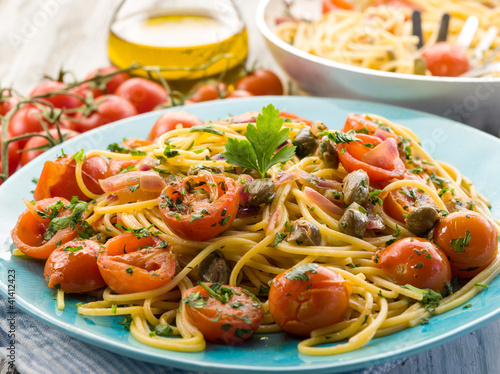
[328, 154]
[356, 187]
[354, 221]
[305, 233]
[422, 219]
[260, 191]
[305, 142]
[214, 269]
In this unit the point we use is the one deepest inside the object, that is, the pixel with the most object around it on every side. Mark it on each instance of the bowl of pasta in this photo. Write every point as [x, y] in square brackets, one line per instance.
[368, 51]
[198, 247]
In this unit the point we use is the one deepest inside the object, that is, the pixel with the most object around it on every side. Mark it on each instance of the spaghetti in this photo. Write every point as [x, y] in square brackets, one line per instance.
[260, 242]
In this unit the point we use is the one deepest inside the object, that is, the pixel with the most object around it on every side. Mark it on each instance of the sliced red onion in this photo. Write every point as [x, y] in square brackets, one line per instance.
[283, 144]
[219, 157]
[243, 181]
[248, 117]
[322, 202]
[111, 198]
[151, 181]
[273, 220]
[379, 133]
[383, 155]
[147, 163]
[283, 177]
[309, 178]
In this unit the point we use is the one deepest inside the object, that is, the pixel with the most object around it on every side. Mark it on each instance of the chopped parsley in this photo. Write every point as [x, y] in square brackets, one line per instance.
[300, 272]
[459, 244]
[278, 238]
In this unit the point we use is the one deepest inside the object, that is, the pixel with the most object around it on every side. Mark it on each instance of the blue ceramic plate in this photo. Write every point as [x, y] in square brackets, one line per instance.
[475, 153]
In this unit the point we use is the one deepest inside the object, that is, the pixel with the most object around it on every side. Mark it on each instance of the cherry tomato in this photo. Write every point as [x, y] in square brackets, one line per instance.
[225, 314]
[7, 101]
[72, 267]
[38, 141]
[398, 203]
[169, 121]
[260, 82]
[308, 297]
[329, 5]
[207, 92]
[144, 94]
[110, 108]
[238, 93]
[28, 234]
[58, 178]
[415, 261]
[110, 86]
[13, 154]
[204, 210]
[469, 240]
[130, 264]
[380, 160]
[362, 124]
[63, 101]
[295, 118]
[446, 60]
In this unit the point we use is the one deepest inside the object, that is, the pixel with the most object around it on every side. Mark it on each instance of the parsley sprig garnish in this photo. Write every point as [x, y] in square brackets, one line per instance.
[258, 152]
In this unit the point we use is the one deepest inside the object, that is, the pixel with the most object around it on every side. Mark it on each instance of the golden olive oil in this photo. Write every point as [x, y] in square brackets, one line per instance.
[190, 46]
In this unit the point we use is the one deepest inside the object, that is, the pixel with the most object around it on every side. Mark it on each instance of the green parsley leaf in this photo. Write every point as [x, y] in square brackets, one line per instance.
[73, 249]
[459, 244]
[300, 272]
[79, 156]
[209, 129]
[163, 330]
[430, 298]
[194, 300]
[339, 137]
[278, 238]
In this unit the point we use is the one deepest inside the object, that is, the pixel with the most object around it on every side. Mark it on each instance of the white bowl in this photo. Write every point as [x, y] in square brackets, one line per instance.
[474, 101]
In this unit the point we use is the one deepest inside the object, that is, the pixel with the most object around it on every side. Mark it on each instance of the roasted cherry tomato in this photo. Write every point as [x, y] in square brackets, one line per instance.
[260, 82]
[169, 121]
[207, 92]
[399, 203]
[200, 207]
[446, 60]
[134, 264]
[329, 5]
[415, 261]
[72, 267]
[58, 178]
[63, 101]
[308, 297]
[223, 314]
[110, 108]
[144, 94]
[364, 125]
[29, 234]
[238, 93]
[29, 151]
[110, 86]
[469, 240]
[380, 159]
[7, 101]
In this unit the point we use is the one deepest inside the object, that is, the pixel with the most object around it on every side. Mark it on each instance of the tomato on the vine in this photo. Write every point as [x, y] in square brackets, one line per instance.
[144, 94]
[308, 297]
[110, 86]
[110, 108]
[62, 100]
[7, 101]
[260, 82]
[207, 92]
[329, 5]
[223, 314]
[200, 207]
[415, 261]
[169, 121]
[446, 60]
[136, 262]
[72, 267]
[469, 240]
[32, 147]
[238, 93]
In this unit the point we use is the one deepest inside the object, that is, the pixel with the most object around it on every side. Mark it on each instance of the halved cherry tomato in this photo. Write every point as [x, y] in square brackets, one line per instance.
[294, 117]
[29, 153]
[207, 92]
[446, 60]
[134, 264]
[398, 203]
[58, 178]
[387, 165]
[28, 234]
[260, 82]
[72, 267]
[110, 86]
[225, 314]
[308, 297]
[415, 261]
[110, 108]
[200, 207]
[144, 94]
[329, 5]
[7, 101]
[169, 121]
[238, 93]
[63, 101]
[469, 240]
[362, 124]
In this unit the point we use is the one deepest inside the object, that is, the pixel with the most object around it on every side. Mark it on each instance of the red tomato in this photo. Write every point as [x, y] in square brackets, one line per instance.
[415, 261]
[13, 154]
[295, 118]
[28, 234]
[361, 124]
[226, 314]
[198, 214]
[110, 108]
[58, 178]
[308, 297]
[7, 101]
[72, 267]
[110, 86]
[169, 121]
[381, 164]
[260, 82]
[400, 202]
[207, 92]
[329, 5]
[238, 93]
[446, 60]
[144, 94]
[130, 264]
[38, 141]
[469, 240]
[62, 101]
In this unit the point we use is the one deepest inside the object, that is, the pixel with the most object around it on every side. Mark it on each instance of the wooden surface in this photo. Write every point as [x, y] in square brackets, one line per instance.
[37, 37]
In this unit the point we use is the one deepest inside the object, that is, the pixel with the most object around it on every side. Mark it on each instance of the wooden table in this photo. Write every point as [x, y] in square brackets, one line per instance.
[38, 37]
